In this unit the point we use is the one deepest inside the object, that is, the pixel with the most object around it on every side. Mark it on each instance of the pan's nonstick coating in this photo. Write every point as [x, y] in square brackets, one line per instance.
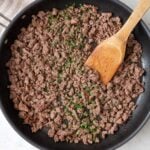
[40, 139]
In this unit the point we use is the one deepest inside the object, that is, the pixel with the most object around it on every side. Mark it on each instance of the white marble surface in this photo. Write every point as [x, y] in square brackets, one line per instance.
[10, 140]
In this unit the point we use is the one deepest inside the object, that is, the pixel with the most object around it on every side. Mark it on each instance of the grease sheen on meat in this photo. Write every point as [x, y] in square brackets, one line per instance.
[51, 87]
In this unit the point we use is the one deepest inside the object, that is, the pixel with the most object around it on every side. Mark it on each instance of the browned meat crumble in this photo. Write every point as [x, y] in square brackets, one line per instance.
[51, 87]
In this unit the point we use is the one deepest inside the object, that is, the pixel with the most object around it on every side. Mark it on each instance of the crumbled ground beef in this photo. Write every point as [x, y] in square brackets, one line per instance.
[51, 87]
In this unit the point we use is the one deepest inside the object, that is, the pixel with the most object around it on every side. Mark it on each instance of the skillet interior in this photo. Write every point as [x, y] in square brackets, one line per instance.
[40, 139]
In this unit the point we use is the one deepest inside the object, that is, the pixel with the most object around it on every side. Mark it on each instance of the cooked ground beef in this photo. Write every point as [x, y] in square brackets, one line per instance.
[51, 87]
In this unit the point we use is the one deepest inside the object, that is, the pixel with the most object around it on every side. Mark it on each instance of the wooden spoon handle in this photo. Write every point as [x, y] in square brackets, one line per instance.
[135, 17]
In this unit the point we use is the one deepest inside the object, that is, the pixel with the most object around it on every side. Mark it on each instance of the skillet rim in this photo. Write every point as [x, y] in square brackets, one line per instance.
[12, 124]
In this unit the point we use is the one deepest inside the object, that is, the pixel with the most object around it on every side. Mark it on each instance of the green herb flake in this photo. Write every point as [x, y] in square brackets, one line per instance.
[78, 106]
[50, 19]
[85, 114]
[79, 95]
[84, 126]
[67, 110]
[59, 77]
[71, 101]
[67, 16]
[68, 62]
[92, 130]
[71, 43]
[81, 46]
[87, 89]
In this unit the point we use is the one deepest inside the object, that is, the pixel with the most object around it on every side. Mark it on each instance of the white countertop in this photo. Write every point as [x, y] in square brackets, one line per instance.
[10, 140]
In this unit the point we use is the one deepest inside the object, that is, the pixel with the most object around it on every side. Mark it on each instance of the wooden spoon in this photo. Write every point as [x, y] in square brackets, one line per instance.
[108, 55]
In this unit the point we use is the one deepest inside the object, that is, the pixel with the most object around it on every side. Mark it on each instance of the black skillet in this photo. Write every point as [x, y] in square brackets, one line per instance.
[40, 139]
